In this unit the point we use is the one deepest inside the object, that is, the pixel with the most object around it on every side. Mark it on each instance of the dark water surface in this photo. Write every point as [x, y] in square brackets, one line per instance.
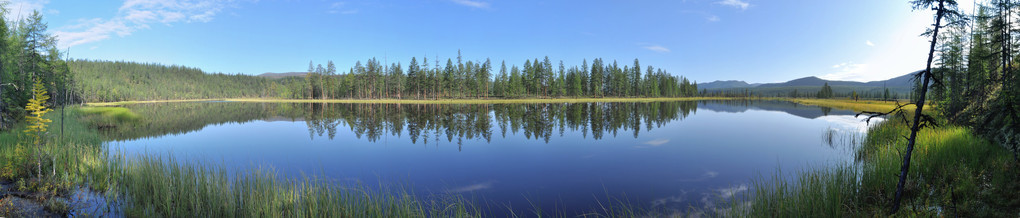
[660, 155]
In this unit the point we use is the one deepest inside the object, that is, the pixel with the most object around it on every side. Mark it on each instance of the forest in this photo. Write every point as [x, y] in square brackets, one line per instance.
[105, 81]
[29, 53]
[974, 80]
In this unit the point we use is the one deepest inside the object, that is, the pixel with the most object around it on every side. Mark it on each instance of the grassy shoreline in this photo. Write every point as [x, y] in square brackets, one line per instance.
[953, 173]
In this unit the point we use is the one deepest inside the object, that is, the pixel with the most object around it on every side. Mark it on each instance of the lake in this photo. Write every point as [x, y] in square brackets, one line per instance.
[561, 157]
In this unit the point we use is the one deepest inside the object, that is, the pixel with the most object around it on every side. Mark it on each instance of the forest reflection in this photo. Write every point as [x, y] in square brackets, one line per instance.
[456, 123]
[424, 123]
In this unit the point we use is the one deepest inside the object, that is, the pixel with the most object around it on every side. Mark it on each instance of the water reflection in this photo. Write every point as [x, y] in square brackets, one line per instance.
[455, 122]
[657, 155]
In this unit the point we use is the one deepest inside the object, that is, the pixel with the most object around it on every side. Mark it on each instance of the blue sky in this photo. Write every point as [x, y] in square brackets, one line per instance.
[705, 40]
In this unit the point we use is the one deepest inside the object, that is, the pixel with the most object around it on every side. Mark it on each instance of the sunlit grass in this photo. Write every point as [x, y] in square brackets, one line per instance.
[857, 106]
[119, 114]
[953, 173]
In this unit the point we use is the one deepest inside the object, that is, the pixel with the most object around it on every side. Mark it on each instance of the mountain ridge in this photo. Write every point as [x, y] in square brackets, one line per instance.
[903, 81]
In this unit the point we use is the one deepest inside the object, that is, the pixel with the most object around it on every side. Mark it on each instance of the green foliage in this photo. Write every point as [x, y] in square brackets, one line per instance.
[28, 54]
[976, 74]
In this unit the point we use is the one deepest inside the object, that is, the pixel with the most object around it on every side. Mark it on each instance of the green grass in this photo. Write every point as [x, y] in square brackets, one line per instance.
[119, 114]
[953, 173]
[857, 106]
[162, 187]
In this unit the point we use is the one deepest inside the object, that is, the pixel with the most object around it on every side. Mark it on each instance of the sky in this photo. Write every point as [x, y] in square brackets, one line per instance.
[704, 40]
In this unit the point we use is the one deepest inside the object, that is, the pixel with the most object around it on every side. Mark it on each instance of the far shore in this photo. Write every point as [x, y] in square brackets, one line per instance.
[840, 103]
[431, 101]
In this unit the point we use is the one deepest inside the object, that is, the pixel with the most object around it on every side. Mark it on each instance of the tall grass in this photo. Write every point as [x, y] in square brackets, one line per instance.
[118, 114]
[163, 187]
[953, 173]
[858, 106]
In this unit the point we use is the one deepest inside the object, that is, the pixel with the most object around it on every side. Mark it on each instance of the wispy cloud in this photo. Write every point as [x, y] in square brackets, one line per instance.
[850, 71]
[657, 48]
[676, 199]
[712, 18]
[707, 175]
[340, 8]
[710, 198]
[726, 193]
[23, 8]
[472, 187]
[134, 15]
[706, 15]
[735, 3]
[868, 42]
[473, 4]
[657, 142]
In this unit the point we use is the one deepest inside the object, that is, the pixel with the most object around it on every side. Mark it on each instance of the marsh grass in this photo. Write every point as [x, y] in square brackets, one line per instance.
[163, 187]
[953, 173]
[857, 106]
[119, 114]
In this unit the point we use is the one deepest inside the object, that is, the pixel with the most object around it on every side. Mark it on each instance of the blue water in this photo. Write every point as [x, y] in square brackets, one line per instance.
[690, 161]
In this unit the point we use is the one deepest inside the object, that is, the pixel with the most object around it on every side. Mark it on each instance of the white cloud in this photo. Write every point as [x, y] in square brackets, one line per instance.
[735, 3]
[726, 193]
[707, 175]
[868, 42]
[712, 18]
[669, 200]
[473, 4]
[139, 14]
[472, 187]
[657, 142]
[340, 8]
[850, 71]
[20, 9]
[657, 48]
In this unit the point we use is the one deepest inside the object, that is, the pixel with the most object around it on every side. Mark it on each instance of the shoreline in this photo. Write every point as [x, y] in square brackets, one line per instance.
[414, 101]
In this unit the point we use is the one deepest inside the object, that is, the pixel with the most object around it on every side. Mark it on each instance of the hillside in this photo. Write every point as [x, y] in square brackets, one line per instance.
[100, 81]
[726, 84]
[898, 85]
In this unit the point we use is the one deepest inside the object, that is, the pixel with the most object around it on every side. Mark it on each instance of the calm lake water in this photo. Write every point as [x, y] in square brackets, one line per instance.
[661, 155]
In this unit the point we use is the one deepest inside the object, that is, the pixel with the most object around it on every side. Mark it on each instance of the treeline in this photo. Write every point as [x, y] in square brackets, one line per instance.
[477, 79]
[103, 81]
[27, 54]
[975, 79]
[424, 123]
[119, 81]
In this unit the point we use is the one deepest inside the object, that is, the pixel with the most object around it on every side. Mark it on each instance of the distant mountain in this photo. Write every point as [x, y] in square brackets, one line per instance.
[282, 75]
[726, 84]
[900, 81]
[812, 84]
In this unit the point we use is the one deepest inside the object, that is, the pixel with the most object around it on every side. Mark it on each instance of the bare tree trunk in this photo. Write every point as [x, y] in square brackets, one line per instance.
[917, 113]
